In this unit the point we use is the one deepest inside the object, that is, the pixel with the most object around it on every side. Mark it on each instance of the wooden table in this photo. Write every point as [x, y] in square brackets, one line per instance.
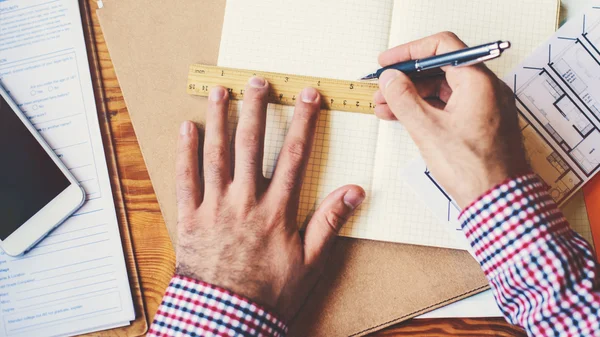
[153, 250]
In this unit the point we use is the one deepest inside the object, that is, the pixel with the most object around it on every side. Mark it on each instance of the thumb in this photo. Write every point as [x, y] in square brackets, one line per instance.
[402, 97]
[327, 221]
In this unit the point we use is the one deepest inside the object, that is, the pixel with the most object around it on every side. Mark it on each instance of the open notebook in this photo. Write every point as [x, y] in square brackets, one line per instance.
[328, 38]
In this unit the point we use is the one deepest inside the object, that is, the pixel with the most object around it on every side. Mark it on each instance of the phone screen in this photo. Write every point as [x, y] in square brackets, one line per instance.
[29, 179]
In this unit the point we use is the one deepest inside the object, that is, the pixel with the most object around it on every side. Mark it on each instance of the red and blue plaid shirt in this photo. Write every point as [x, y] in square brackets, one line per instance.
[543, 275]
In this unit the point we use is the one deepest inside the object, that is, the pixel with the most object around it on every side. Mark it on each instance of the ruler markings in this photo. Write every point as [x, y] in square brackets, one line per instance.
[351, 96]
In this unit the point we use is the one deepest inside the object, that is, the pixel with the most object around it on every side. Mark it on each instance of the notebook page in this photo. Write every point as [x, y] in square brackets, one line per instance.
[323, 38]
[75, 279]
[487, 21]
[526, 24]
[305, 38]
[399, 212]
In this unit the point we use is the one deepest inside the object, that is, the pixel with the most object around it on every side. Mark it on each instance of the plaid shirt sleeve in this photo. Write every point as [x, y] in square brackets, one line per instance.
[194, 308]
[543, 275]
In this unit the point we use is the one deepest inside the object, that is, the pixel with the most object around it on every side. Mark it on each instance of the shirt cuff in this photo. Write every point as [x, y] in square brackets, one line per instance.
[195, 308]
[502, 225]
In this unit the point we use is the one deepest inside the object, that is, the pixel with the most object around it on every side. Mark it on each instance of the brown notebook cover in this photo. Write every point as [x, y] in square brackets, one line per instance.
[140, 326]
[369, 285]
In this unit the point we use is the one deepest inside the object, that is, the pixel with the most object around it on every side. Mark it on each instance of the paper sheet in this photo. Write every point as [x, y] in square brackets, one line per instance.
[328, 39]
[558, 94]
[323, 38]
[525, 24]
[75, 279]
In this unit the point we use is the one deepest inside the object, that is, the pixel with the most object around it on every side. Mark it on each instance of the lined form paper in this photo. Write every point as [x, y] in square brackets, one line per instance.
[328, 38]
[75, 280]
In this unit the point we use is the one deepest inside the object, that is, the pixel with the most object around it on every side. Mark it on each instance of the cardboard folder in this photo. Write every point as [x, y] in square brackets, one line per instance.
[369, 285]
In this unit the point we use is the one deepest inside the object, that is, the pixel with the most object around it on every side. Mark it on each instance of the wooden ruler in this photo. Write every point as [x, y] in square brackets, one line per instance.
[341, 95]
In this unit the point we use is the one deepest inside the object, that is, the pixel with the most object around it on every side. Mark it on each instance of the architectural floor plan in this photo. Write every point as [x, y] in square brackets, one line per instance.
[557, 91]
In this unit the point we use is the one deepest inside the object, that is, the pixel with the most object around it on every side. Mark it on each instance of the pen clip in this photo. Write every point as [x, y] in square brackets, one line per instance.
[493, 54]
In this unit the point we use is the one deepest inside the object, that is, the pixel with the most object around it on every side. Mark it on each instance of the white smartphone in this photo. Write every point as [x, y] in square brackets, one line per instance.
[37, 191]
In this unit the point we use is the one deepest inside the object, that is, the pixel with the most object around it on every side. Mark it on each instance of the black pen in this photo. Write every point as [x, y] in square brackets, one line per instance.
[463, 57]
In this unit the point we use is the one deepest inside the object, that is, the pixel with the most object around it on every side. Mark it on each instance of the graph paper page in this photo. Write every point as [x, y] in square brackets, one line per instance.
[322, 38]
[314, 38]
[526, 24]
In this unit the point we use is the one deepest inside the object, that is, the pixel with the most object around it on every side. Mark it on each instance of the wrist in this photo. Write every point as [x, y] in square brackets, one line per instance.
[196, 307]
[492, 193]
[488, 179]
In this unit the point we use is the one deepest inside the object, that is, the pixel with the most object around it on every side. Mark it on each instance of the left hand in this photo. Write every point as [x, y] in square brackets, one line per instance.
[237, 229]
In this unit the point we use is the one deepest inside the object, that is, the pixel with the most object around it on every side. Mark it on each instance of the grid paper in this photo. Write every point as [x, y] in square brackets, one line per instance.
[400, 212]
[525, 23]
[336, 39]
[311, 37]
[328, 166]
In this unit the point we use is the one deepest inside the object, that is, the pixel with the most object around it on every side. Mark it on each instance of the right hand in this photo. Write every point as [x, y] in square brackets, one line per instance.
[464, 122]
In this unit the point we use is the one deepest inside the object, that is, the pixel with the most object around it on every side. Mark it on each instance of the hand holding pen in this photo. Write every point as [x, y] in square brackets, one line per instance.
[461, 57]
[465, 120]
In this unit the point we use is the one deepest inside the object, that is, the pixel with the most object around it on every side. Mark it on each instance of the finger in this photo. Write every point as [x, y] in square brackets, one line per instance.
[327, 221]
[434, 87]
[382, 111]
[293, 158]
[378, 98]
[436, 103]
[403, 99]
[188, 185]
[437, 44]
[250, 133]
[217, 169]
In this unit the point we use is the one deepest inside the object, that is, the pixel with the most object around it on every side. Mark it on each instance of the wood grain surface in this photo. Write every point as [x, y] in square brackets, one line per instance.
[153, 250]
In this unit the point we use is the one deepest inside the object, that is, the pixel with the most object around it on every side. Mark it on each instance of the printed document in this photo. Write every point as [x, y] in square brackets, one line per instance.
[75, 280]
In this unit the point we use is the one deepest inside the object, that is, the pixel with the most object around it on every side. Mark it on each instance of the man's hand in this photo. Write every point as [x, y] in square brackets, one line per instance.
[238, 230]
[464, 123]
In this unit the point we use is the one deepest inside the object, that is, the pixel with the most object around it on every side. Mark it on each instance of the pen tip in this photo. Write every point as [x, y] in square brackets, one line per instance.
[368, 77]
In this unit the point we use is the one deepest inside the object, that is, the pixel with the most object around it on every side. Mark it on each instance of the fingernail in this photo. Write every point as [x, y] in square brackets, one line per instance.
[257, 82]
[387, 77]
[216, 94]
[309, 95]
[186, 128]
[353, 198]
